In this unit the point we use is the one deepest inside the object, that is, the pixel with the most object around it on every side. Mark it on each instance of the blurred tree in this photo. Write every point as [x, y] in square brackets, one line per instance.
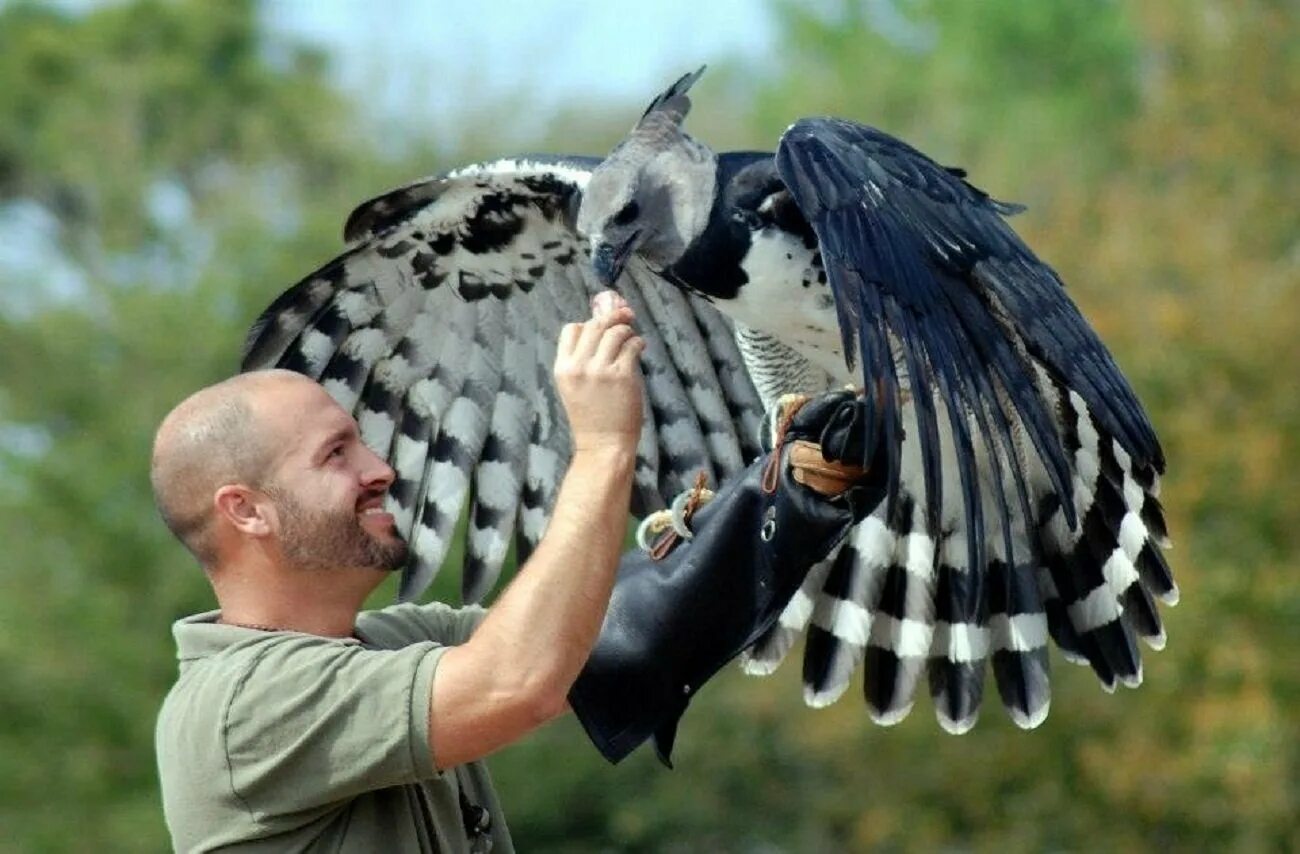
[164, 169]
[984, 83]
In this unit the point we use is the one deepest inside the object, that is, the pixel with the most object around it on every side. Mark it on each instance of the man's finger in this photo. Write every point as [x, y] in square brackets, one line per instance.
[594, 329]
[569, 334]
[631, 352]
[611, 342]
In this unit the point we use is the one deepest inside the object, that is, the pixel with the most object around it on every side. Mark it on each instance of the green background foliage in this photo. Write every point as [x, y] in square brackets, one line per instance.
[172, 168]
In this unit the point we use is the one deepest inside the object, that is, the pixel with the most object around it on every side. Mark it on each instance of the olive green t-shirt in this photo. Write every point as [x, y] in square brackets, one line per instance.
[282, 741]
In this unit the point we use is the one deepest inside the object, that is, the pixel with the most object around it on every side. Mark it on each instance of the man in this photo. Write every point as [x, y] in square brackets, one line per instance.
[299, 723]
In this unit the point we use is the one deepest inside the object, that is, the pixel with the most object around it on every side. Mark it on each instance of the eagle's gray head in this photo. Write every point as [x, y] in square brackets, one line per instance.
[652, 195]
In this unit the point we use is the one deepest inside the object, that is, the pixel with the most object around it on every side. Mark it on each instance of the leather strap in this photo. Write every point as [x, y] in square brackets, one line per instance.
[811, 469]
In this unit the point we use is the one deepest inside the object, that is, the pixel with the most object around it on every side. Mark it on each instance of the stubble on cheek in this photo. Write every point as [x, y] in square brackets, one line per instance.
[323, 540]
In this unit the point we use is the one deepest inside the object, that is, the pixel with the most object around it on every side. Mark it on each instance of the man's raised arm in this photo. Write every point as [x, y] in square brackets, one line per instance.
[513, 674]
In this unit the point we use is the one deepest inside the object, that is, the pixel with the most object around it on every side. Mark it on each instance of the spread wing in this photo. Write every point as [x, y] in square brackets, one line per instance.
[1023, 471]
[437, 328]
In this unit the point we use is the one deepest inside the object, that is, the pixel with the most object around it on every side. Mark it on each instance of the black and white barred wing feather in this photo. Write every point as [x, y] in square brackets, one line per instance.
[1023, 472]
[437, 328]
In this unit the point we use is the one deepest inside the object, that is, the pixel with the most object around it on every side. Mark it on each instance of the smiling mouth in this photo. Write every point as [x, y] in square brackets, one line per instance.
[378, 521]
[373, 506]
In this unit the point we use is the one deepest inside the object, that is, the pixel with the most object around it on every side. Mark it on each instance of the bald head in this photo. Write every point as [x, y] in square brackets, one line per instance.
[216, 436]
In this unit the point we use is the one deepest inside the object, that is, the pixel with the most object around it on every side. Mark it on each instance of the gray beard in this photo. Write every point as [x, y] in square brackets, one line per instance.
[324, 540]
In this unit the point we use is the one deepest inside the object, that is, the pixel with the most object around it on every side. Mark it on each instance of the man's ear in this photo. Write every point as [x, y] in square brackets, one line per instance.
[244, 509]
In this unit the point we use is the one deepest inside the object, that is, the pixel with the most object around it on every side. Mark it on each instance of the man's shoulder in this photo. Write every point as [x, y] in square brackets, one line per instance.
[243, 654]
[409, 622]
[276, 734]
[190, 737]
[207, 687]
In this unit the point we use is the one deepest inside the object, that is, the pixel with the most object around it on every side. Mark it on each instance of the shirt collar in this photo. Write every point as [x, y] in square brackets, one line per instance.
[201, 636]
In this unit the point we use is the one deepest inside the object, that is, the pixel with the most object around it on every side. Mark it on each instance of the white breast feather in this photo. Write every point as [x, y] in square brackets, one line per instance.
[775, 300]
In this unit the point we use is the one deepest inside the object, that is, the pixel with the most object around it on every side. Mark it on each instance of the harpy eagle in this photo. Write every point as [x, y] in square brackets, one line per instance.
[1023, 472]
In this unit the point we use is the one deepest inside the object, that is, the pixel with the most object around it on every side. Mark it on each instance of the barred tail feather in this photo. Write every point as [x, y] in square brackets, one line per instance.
[771, 648]
[960, 646]
[903, 623]
[841, 619]
[900, 599]
[1103, 571]
[1018, 625]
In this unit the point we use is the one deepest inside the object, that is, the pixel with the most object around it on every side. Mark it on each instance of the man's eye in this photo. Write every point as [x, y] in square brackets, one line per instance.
[629, 212]
[336, 451]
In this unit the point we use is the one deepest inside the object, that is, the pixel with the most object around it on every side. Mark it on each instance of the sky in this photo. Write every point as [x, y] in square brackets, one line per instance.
[439, 58]
[443, 59]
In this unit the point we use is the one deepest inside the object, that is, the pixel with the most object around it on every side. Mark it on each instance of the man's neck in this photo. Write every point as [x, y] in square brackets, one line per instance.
[317, 602]
[336, 625]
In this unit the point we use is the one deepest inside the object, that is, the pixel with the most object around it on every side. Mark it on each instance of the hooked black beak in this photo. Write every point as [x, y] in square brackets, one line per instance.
[608, 259]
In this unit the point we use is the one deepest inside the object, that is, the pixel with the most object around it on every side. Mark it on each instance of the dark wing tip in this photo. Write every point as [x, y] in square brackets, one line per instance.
[806, 128]
[251, 354]
[269, 334]
[388, 209]
[1004, 208]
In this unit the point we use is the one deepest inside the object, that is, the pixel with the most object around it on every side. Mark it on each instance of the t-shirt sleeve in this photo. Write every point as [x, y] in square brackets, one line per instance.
[313, 722]
[398, 625]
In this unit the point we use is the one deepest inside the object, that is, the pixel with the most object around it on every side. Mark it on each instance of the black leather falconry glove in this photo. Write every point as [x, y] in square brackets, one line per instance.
[681, 612]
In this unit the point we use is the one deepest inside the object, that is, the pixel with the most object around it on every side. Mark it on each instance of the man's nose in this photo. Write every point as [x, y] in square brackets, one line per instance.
[378, 473]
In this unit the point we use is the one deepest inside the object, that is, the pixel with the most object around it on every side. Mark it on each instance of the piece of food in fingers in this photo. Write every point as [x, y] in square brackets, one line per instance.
[606, 302]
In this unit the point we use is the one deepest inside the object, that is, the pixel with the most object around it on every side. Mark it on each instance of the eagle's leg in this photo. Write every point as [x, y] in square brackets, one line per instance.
[676, 618]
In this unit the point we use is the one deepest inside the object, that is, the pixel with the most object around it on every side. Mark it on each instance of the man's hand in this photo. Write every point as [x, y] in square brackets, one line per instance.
[598, 376]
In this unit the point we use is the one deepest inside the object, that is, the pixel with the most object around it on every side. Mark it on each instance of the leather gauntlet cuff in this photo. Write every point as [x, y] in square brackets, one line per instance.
[672, 623]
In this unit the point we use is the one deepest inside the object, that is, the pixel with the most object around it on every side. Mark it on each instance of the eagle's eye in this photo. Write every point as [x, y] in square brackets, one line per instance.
[629, 212]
